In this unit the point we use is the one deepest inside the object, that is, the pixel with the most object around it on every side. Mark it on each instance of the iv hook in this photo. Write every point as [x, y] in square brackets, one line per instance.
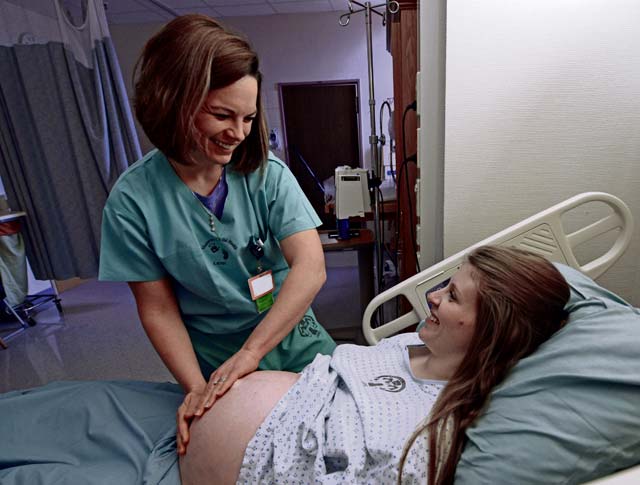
[392, 7]
[346, 17]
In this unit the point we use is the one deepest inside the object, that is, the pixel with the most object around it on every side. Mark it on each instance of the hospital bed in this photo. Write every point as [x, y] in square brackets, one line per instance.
[604, 220]
[542, 233]
[124, 432]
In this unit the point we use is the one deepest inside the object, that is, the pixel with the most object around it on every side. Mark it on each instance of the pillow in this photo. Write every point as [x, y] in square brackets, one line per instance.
[570, 412]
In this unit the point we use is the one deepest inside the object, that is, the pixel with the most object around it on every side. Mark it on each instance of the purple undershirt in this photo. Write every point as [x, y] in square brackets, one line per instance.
[215, 201]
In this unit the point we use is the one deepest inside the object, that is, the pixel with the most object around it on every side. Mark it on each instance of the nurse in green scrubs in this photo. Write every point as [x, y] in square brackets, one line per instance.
[212, 232]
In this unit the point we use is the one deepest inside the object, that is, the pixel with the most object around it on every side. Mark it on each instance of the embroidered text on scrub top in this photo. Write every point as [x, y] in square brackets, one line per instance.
[214, 203]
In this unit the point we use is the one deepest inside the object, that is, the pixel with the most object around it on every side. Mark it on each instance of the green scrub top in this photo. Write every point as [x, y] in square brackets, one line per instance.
[154, 227]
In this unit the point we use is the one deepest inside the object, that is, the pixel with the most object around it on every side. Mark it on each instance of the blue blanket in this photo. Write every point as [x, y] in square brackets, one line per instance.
[90, 433]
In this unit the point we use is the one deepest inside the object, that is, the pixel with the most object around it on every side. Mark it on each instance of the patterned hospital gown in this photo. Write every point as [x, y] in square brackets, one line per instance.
[346, 421]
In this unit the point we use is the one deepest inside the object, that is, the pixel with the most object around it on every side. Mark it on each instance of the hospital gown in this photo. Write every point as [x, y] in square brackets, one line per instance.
[346, 420]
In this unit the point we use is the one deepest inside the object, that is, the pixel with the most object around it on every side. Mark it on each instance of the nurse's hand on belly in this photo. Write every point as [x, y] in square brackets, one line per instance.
[238, 365]
[220, 437]
[221, 380]
[187, 411]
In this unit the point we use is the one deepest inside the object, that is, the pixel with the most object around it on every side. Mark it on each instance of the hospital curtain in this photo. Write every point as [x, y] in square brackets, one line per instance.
[66, 130]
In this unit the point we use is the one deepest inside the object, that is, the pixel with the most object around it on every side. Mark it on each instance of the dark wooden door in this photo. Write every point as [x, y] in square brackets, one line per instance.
[321, 125]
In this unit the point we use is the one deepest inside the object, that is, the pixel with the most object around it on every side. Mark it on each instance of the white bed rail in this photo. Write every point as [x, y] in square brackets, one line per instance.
[542, 233]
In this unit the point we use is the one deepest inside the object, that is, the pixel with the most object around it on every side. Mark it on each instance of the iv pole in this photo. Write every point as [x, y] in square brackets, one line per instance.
[368, 9]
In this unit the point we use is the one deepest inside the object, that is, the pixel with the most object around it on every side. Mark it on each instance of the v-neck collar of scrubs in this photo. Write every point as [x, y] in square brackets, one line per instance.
[186, 193]
[215, 201]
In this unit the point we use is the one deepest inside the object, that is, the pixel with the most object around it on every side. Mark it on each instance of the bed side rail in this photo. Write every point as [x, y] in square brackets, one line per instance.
[542, 233]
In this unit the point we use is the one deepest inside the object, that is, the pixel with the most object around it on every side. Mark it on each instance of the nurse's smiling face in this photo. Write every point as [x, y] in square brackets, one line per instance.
[225, 120]
[454, 309]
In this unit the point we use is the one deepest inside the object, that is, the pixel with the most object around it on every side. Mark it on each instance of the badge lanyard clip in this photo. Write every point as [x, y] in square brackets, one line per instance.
[256, 247]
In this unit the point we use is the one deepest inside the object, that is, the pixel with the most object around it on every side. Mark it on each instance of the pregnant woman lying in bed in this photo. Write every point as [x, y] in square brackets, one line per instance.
[360, 415]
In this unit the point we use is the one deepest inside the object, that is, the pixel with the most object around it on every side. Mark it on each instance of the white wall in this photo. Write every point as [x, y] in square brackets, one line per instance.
[542, 102]
[294, 48]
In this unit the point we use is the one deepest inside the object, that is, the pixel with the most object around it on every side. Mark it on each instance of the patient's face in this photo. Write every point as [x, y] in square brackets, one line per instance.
[453, 314]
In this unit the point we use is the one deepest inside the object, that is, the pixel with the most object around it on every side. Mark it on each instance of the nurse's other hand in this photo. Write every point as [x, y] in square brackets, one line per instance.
[238, 365]
[188, 410]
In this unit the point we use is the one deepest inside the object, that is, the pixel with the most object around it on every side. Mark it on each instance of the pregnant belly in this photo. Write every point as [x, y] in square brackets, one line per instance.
[219, 438]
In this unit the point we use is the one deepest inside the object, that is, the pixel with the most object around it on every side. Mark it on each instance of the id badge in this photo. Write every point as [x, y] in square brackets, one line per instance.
[261, 287]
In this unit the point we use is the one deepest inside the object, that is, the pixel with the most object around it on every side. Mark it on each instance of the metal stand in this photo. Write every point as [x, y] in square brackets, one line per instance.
[22, 313]
[376, 162]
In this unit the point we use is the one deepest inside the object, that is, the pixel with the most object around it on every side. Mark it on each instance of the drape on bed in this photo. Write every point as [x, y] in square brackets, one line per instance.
[90, 433]
[66, 130]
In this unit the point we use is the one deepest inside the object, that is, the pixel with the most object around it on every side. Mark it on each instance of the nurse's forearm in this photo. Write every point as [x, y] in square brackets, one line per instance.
[172, 343]
[303, 252]
[296, 295]
[161, 320]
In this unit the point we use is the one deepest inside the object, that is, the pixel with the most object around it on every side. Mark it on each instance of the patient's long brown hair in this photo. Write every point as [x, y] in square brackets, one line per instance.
[521, 299]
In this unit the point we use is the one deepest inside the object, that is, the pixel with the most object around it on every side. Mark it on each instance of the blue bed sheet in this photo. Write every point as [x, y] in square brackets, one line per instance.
[90, 432]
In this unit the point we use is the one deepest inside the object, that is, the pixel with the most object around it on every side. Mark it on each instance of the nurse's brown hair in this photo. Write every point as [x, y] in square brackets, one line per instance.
[179, 65]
